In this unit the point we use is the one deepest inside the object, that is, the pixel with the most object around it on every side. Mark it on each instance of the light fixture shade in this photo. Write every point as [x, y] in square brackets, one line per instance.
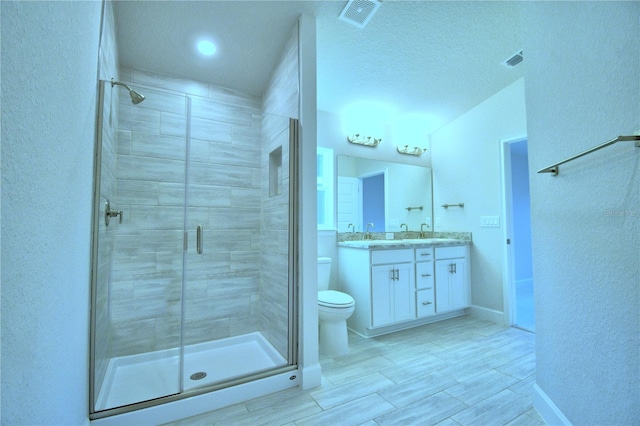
[207, 47]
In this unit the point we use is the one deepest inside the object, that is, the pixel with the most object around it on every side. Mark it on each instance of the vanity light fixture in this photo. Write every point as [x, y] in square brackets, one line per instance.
[364, 140]
[417, 151]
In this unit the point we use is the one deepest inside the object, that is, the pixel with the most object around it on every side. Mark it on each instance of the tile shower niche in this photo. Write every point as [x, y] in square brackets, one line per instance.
[275, 172]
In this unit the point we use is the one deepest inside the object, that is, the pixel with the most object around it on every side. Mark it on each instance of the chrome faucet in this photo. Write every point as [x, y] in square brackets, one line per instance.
[406, 228]
[367, 234]
[423, 234]
[353, 228]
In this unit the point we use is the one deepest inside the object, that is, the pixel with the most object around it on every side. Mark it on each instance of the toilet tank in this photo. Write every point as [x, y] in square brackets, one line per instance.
[324, 273]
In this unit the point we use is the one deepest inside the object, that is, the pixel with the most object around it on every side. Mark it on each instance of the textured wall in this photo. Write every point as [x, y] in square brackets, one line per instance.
[49, 69]
[466, 169]
[582, 88]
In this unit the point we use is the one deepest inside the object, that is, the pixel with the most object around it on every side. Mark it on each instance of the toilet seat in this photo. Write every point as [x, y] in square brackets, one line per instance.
[335, 299]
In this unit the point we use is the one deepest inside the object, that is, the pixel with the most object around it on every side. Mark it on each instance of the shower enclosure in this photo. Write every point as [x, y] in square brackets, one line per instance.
[193, 283]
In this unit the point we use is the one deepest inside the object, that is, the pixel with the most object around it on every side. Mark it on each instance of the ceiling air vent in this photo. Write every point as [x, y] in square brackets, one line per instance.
[514, 60]
[359, 12]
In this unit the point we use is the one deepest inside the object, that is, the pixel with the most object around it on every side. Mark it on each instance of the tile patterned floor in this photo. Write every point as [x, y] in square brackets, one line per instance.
[456, 372]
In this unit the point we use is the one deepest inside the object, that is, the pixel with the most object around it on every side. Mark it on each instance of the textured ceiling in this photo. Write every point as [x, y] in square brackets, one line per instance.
[434, 60]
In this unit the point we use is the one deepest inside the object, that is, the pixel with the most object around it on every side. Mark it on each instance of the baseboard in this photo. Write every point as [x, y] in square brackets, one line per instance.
[311, 376]
[549, 412]
[486, 314]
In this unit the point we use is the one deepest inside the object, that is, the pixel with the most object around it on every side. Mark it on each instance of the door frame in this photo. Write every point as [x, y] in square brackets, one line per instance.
[508, 259]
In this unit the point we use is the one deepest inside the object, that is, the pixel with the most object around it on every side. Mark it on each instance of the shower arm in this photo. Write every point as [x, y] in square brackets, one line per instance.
[117, 83]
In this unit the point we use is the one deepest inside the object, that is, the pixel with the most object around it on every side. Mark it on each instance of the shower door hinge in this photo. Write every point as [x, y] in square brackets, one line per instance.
[186, 241]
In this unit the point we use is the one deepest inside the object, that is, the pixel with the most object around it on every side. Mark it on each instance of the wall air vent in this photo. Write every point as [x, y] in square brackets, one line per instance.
[514, 60]
[359, 12]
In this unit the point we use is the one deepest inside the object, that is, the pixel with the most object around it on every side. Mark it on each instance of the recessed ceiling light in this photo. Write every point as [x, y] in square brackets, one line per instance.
[206, 47]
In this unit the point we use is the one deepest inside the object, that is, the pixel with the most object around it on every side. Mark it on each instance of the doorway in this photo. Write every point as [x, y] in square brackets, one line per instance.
[519, 271]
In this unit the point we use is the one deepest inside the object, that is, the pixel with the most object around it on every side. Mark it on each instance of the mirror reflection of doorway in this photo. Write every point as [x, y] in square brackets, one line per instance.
[373, 201]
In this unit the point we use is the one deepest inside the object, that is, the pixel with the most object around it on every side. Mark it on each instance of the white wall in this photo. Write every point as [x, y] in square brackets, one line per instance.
[466, 169]
[582, 88]
[311, 372]
[49, 70]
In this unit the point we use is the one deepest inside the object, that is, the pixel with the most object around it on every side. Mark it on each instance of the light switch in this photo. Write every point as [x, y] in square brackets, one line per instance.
[489, 221]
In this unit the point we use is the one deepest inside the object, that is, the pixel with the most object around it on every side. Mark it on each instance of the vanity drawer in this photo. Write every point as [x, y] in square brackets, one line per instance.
[424, 275]
[391, 256]
[425, 305]
[451, 252]
[424, 253]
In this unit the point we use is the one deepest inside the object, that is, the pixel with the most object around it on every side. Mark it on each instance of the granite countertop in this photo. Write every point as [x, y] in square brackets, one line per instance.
[406, 243]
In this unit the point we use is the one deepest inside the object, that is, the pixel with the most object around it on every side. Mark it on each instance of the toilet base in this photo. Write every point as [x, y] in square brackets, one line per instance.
[333, 338]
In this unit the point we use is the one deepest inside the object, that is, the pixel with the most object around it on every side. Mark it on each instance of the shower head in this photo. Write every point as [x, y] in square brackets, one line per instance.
[136, 97]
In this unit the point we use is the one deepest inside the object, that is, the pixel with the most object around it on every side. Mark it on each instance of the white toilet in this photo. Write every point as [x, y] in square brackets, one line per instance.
[334, 308]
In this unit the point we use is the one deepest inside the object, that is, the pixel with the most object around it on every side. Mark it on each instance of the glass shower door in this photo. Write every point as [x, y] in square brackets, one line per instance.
[139, 219]
[194, 241]
[238, 286]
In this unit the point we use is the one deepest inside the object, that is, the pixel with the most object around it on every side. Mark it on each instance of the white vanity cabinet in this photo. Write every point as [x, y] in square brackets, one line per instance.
[452, 278]
[397, 288]
[392, 294]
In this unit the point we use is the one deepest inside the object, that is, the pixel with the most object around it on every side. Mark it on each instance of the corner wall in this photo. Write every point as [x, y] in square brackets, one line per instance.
[48, 130]
[466, 169]
[582, 88]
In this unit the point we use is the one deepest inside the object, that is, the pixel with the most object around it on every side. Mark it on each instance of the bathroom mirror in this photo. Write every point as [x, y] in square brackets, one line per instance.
[384, 193]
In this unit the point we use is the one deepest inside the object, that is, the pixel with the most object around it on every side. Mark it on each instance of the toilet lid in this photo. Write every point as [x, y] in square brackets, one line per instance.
[334, 298]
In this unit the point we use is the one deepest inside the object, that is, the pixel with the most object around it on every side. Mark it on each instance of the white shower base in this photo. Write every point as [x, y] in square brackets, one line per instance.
[136, 378]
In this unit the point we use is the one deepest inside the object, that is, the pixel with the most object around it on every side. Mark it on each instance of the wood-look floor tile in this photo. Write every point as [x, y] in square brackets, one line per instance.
[408, 371]
[363, 368]
[354, 412]
[520, 368]
[481, 386]
[483, 374]
[498, 409]
[340, 394]
[417, 388]
[426, 411]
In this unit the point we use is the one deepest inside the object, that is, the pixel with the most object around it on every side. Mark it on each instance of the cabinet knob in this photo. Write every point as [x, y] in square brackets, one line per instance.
[426, 275]
[426, 303]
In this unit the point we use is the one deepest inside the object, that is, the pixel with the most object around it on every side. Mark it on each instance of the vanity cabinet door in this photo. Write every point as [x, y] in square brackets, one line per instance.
[451, 292]
[404, 294]
[381, 284]
[391, 294]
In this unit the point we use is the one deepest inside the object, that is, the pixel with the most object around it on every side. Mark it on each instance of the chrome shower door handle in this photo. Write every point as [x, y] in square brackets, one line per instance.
[109, 213]
[199, 239]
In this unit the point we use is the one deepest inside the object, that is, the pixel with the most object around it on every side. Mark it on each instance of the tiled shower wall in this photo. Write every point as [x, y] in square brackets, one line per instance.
[239, 284]
[222, 287]
[280, 103]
